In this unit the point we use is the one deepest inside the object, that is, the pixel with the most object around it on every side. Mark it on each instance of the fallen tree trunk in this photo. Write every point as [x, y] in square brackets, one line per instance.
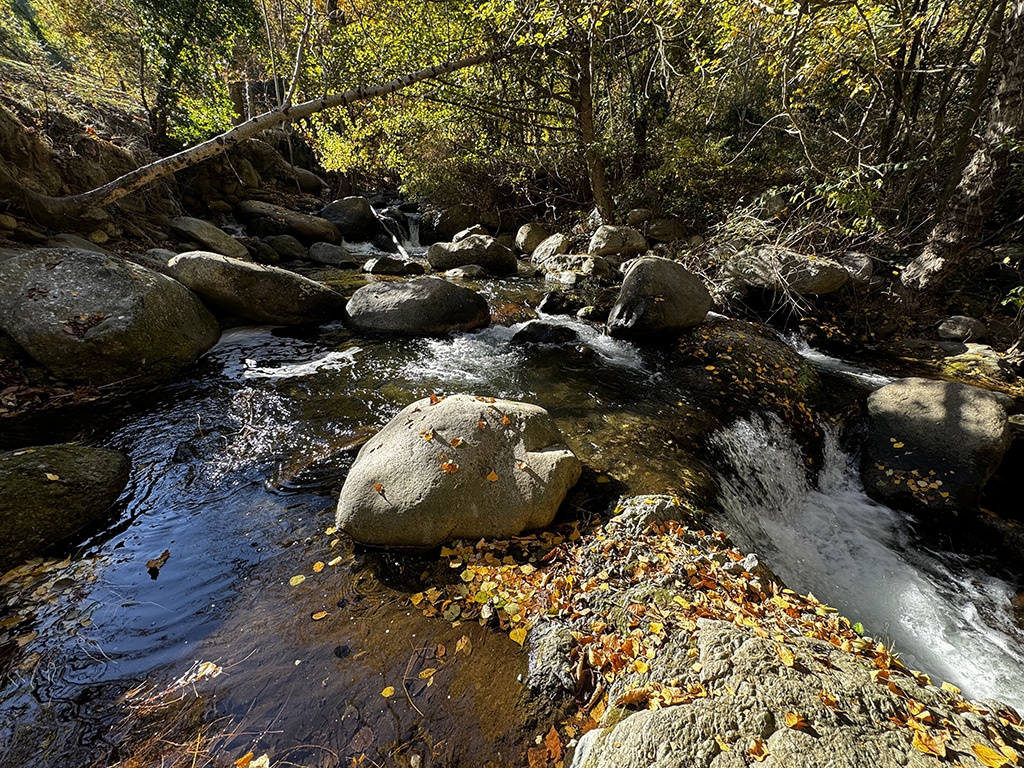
[58, 210]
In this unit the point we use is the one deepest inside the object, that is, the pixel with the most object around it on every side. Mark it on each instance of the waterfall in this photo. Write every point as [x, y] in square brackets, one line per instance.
[941, 612]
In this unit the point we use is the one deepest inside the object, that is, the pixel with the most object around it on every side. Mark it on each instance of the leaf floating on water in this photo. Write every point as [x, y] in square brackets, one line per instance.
[388, 692]
[319, 615]
[518, 635]
[158, 562]
[492, 476]
[318, 566]
[331, 531]
[296, 580]
[244, 760]
[51, 476]
[334, 561]
[428, 672]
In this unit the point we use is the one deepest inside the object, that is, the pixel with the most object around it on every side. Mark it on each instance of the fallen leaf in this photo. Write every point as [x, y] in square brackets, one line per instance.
[334, 561]
[553, 742]
[244, 760]
[263, 761]
[722, 744]
[786, 655]
[379, 488]
[930, 745]
[758, 750]
[537, 757]
[640, 666]
[158, 562]
[319, 615]
[318, 566]
[506, 420]
[428, 672]
[637, 697]
[796, 722]
[51, 476]
[481, 424]
[456, 442]
[518, 635]
[296, 580]
[464, 644]
[492, 476]
[828, 700]
[950, 688]
[450, 467]
[989, 756]
[388, 692]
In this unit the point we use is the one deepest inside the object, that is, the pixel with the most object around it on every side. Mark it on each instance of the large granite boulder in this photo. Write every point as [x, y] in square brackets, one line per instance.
[659, 298]
[48, 493]
[334, 255]
[208, 236]
[781, 270]
[551, 246]
[457, 467]
[456, 218]
[932, 445]
[89, 317]
[356, 220]
[426, 306]
[475, 249]
[530, 236]
[308, 229]
[617, 243]
[256, 292]
[570, 269]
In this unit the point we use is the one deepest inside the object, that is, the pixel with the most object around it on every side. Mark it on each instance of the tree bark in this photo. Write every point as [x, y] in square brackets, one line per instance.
[57, 210]
[983, 179]
[588, 137]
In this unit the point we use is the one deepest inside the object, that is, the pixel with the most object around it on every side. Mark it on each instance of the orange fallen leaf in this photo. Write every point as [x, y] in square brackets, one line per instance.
[553, 742]
[456, 442]
[989, 756]
[435, 399]
[637, 697]
[796, 722]
[758, 750]
[492, 476]
[379, 488]
[506, 420]
[319, 615]
[828, 700]
[318, 566]
[244, 760]
[481, 424]
[450, 467]
[930, 745]
[537, 757]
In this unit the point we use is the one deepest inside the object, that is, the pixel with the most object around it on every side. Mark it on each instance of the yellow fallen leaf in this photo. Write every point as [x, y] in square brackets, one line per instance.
[722, 744]
[758, 750]
[465, 644]
[640, 666]
[334, 561]
[989, 756]
[518, 635]
[319, 615]
[331, 531]
[388, 692]
[796, 722]
[244, 760]
[416, 599]
[51, 476]
[950, 688]
[930, 745]
[296, 580]
[318, 566]
[786, 655]
[428, 672]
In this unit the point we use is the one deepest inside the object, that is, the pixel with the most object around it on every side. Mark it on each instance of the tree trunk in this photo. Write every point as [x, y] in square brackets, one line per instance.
[588, 137]
[983, 179]
[59, 211]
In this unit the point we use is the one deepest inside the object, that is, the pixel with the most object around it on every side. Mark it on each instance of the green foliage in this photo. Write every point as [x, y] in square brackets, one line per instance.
[198, 118]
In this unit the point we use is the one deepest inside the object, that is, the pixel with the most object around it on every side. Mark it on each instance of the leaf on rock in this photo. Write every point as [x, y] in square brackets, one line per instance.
[758, 750]
[296, 580]
[492, 476]
[553, 742]
[537, 757]
[722, 744]
[786, 655]
[379, 488]
[989, 756]
[428, 672]
[518, 635]
[456, 442]
[51, 476]
[450, 467]
[388, 692]
[930, 745]
[796, 722]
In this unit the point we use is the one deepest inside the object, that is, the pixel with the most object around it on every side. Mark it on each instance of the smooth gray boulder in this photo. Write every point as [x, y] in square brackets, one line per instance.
[475, 249]
[95, 318]
[334, 255]
[388, 265]
[287, 247]
[468, 272]
[782, 270]
[596, 267]
[617, 242]
[476, 229]
[456, 218]
[211, 238]
[48, 493]
[309, 229]
[962, 328]
[425, 306]
[932, 445]
[457, 467]
[530, 236]
[256, 292]
[356, 220]
[550, 246]
[659, 298]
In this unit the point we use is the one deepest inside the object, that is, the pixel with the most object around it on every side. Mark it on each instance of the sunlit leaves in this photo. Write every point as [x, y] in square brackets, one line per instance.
[296, 580]
[388, 692]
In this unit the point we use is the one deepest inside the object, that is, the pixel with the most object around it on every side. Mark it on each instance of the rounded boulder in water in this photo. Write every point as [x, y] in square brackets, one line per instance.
[457, 467]
[659, 298]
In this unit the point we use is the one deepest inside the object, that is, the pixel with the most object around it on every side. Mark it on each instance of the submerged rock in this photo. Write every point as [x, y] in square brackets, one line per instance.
[255, 292]
[425, 306]
[932, 445]
[88, 317]
[48, 493]
[659, 298]
[540, 332]
[457, 467]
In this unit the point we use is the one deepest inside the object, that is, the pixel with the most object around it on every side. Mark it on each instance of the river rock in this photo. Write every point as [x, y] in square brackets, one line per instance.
[932, 445]
[475, 249]
[356, 220]
[334, 255]
[458, 467]
[309, 229]
[595, 267]
[256, 292]
[48, 493]
[476, 229]
[530, 236]
[658, 298]
[550, 246]
[468, 272]
[388, 265]
[637, 216]
[541, 332]
[101, 319]
[781, 270]
[750, 693]
[208, 236]
[618, 243]
[455, 219]
[860, 266]
[962, 328]
[287, 247]
[664, 230]
[425, 306]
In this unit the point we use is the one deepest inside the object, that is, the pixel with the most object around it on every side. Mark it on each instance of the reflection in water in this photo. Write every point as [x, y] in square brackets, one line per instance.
[941, 613]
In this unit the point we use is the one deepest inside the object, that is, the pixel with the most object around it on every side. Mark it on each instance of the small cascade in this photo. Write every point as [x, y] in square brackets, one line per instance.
[941, 613]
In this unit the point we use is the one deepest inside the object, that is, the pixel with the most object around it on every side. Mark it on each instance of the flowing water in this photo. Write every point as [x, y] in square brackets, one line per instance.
[236, 470]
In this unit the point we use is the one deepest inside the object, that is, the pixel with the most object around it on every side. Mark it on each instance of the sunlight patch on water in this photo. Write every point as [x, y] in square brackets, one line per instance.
[944, 616]
[835, 365]
[332, 361]
[482, 359]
